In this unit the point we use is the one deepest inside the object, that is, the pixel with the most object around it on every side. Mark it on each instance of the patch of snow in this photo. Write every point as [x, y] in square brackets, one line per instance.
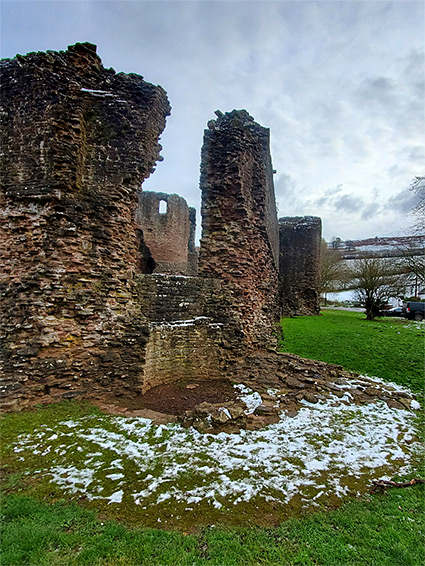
[163, 497]
[116, 497]
[115, 476]
[226, 412]
[252, 399]
[97, 92]
[70, 424]
[273, 392]
[72, 478]
[313, 455]
[374, 247]
[180, 323]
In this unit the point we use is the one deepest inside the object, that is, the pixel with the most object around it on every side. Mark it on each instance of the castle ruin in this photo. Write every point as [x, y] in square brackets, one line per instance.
[101, 285]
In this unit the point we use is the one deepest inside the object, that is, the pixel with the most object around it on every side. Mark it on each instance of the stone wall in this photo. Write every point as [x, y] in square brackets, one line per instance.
[78, 140]
[191, 330]
[99, 287]
[239, 243]
[185, 350]
[299, 265]
[168, 234]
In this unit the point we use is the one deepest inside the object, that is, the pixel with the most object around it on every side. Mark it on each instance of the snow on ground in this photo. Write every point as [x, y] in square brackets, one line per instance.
[313, 455]
[251, 398]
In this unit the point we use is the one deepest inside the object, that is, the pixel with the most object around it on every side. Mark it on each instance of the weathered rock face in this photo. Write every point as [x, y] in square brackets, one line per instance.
[78, 141]
[83, 312]
[284, 384]
[240, 240]
[299, 265]
[191, 330]
[169, 233]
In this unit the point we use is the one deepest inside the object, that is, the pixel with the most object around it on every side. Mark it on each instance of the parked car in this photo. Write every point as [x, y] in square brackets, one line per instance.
[415, 310]
[394, 311]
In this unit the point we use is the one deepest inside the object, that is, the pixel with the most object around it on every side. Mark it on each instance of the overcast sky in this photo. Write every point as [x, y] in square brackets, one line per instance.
[340, 84]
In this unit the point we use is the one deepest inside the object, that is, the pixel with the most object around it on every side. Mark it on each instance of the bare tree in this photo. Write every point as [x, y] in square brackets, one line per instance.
[412, 249]
[418, 187]
[332, 272]
[412, 253]
[336, 243]
[375, 280]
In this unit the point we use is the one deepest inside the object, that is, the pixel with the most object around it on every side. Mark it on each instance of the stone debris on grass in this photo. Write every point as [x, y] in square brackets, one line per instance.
[252, 410]
[316, 454]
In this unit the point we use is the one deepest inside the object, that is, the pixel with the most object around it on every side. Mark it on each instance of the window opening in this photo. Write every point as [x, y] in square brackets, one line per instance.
[162, 207]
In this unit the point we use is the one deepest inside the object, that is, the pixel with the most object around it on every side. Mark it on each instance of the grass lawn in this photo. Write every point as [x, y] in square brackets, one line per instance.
[41, 526]
[390, 348]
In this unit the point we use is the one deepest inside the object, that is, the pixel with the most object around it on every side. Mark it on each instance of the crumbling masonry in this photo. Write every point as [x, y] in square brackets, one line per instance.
[169, 236]
[240, 237]
[299, 260]
[99, 286]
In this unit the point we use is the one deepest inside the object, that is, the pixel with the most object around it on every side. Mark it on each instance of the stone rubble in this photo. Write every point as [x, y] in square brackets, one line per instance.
[298, 382]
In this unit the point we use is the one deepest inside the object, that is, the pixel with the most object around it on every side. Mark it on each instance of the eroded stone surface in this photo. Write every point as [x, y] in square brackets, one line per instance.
[78, 141]
[167, 231]
[84, 312]
[299, 265]
[240, 241]
[290, 383]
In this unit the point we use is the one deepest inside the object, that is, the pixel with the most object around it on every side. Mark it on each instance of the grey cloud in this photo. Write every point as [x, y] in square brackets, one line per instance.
[370, 211]
[417, 153]
[413, 65]
[378, 91]
[419, 88]
[285, 185]
[348, 203]
[403, 202]
[321, 201]
[393, 103]
[338, 83]
[327, 198]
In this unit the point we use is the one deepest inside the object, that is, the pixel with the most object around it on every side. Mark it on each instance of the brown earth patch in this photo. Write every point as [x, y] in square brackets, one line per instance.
[167, 401]
[175, 398]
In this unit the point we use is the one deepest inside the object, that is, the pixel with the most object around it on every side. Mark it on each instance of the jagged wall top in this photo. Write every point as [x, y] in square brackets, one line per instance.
[236, 119]
[67, 122]
[240, 127]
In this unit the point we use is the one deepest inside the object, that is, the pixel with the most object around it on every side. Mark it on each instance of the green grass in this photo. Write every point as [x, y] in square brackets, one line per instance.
[382, 529]
[390, 348]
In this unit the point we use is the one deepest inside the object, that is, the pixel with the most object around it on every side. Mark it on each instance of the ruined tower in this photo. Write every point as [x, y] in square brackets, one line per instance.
[299, 264]
[168, 231]
[240, 239]
[99, 286]
[78, 141]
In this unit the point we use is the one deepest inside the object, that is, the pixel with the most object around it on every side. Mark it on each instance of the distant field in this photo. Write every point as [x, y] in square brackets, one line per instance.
[43, 525]
[390, 348]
